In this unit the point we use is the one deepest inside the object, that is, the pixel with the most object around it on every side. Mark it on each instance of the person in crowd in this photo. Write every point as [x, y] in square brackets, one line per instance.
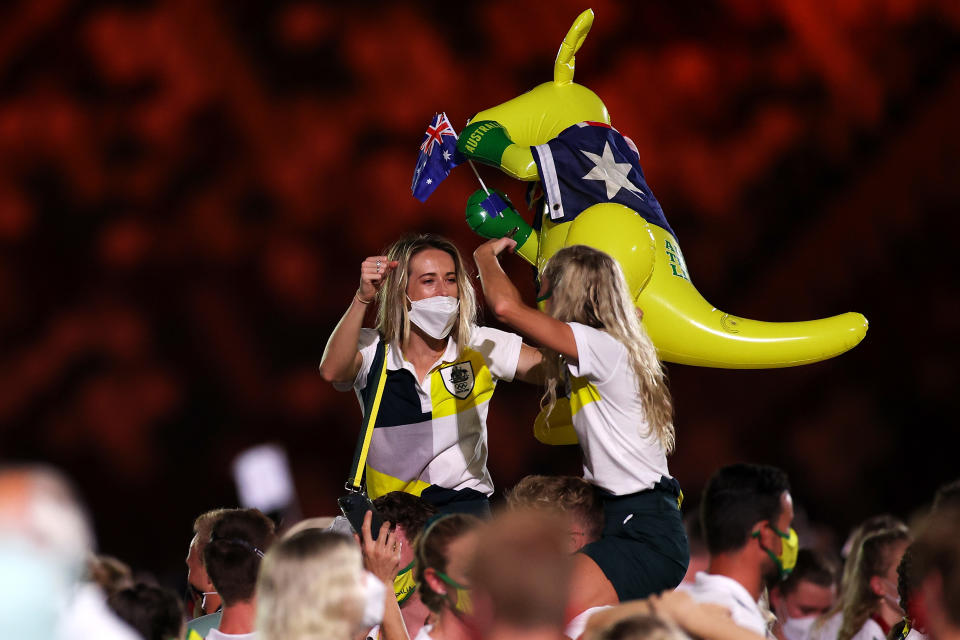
[45, 541]
[827, 626]
[109, 573]
[807, 593]
[571, 496]
[520, 576]
[312, 585]
[155, 612]
[947, 495]
[746, 513]
[203, 601]
[443, 553]
[646, 627]
[671, 615]
[408, 516]
[870, 604]
[238, 540]
[595, 347]
[914, 623]
[699, 557]
[936, 569]
[430, 436]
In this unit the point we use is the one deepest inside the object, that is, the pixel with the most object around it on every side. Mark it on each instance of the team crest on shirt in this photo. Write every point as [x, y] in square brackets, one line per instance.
[458, 379]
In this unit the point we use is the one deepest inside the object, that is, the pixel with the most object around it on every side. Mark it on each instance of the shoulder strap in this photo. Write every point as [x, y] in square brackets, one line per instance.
[371, 406]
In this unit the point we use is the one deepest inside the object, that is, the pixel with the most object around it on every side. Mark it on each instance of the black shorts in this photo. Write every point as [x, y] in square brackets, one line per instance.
[643, 549]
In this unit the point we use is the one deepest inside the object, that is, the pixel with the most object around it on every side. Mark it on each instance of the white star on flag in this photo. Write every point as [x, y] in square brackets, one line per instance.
[614, 174]
[429, 180]
[446, 154]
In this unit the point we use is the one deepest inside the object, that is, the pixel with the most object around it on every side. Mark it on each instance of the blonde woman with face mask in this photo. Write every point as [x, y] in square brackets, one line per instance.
[596, 352]
[430, 436]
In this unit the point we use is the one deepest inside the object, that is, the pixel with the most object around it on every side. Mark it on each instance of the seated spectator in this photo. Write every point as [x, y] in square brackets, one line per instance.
[520, 575]
[570, 495]
[238, 540]
[311, 586]
[807, 593]
[827, 626]
[746, 511]
[408, 515]
[155, 612]
[870, 606]
[443, 553]
[936, 560]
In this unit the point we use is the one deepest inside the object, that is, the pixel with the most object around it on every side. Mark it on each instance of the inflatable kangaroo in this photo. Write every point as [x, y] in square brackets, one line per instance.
[525, 137]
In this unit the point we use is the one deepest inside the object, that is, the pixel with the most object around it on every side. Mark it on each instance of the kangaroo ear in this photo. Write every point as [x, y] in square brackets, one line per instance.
[564, 66]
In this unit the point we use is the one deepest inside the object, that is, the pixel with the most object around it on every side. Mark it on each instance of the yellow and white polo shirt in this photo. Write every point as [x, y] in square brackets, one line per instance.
[433, 435]
[620, 455]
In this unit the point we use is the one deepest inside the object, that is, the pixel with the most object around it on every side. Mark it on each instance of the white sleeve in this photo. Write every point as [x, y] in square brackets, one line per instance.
[578, 625]
[500, 349]
[599, 355]
[367, 345]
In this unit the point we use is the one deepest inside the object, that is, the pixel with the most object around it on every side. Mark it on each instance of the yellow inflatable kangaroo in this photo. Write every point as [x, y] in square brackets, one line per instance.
[685, 328]
[515, 137]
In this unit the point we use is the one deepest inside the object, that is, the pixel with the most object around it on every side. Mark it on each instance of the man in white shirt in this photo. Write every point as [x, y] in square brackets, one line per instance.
[232, 557]
[746, 514]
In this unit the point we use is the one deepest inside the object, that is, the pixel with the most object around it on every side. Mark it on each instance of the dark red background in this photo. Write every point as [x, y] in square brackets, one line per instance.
[188, 188]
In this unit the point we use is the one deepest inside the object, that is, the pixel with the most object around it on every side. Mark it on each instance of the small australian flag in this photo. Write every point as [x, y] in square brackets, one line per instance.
[438, 155]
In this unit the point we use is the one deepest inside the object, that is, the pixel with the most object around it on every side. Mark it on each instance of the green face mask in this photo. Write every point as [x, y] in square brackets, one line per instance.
[787, 559]
[404, 585]
[461, 599]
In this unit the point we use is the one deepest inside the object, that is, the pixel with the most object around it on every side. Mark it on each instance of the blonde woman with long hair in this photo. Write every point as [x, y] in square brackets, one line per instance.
[596, 351]
[430, 436]
[870, 600]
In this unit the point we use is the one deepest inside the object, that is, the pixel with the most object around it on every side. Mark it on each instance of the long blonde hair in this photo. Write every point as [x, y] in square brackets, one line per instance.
[393, 321]
[589, 288]
[310, 588]
[875, 559]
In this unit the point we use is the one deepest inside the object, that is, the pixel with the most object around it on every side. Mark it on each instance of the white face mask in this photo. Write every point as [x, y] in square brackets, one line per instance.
[893, 601]
[797, 628]
[435, 316]
[374, 593]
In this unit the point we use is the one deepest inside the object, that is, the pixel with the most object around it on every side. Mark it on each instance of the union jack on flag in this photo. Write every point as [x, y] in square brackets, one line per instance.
[438, 155]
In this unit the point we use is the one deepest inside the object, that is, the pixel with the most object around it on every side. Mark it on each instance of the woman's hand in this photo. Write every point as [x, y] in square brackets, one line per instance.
[372, 272]
[381, 557]
[495, 247]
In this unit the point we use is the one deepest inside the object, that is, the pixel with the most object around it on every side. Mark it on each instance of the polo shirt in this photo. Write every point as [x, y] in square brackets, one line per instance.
[620, 453]
[432, 435]
[729, 593]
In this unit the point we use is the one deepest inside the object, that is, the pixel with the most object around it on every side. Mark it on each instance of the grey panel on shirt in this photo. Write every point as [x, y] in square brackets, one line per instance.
[400, 451]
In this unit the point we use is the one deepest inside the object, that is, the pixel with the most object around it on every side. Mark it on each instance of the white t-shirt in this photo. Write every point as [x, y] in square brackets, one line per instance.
[729, 593]
[620, 455]
[578, 625]
[424, 633]
[434, 431]
[217, 635]
[870, 630]
[828, 630]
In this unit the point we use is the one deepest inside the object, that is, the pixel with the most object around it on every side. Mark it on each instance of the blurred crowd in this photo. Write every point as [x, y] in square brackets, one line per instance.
[426, 575]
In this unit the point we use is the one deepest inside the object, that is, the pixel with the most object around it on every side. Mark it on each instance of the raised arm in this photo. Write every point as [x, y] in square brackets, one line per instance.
[504, 300]
[341, 359]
